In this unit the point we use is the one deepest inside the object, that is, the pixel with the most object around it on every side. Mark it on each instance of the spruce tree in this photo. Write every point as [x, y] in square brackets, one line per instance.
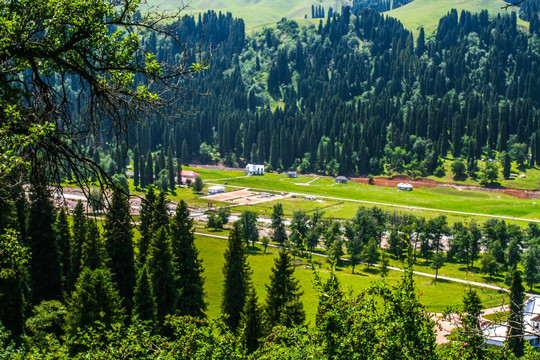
[161, 270]
[252, 329]
[283, 305]
[515, 320]
[92, 250]
[46, 272]
[279, 234]
[119, 246]
[237, 277]
[472, 307]
[146, 220]
[170, 168]
[79, 235]
[188, 269]
[63, 236]
[136, 168]
[95, 298]
[250, 232]
[161, 215]
[144, 303]
[149, 169]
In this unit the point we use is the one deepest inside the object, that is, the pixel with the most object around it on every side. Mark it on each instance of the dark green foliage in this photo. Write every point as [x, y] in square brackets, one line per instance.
[144, 303]
[252, 322]
[489, 173]
[95, 298]
[119, 247]
[79, 235]
[458, 168]
[198, 184]
[161, 266]
[146, 221]
[532, 266]
[160, 215]
[299, 228]
[237, 277]
[278, 228]
[489, 264]
[93, 254]
[45, 269]
[63, 236]
[250, 231]
[47, 318]
[515, 337]
[136, 166]
[283, 305]
[472, 329]
[223, 214]
[437, 263]
[170, 169]
[188, 266]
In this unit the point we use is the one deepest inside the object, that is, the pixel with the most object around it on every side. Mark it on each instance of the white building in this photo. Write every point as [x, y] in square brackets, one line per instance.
[404, 186]
[495, 334]
[253, 169]
[216, 189]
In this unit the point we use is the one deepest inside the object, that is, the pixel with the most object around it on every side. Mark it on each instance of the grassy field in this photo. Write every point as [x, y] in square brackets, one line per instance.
[434, 296]
[426, 13]
[256, 13]
[344, 199]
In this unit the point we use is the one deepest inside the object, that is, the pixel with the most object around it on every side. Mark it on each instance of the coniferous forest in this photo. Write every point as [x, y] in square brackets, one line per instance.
[353, 93]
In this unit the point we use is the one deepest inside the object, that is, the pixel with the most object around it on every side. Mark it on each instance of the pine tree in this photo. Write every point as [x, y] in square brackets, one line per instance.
[46, 272]
[149, 169]
[170, 168]
[251, 322]
[250, 231]
[283, 305]
[144, 303]
[145, 226]
[136, 168]
[161, 212]
[515, 320]
[185, 153]
[472, 307]
[79, 235]
[63, 236]
[119, 246]
[188, 269]
[95, 298]
[237, 277]
[92, 249]
[278, 228]
[161, 269]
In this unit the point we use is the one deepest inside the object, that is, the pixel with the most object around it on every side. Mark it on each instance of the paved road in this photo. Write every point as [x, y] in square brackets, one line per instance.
[408, 207]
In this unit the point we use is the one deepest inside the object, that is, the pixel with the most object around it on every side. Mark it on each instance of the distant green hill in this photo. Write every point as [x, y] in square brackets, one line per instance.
[259, 13]
[426, 13]
[256, 13]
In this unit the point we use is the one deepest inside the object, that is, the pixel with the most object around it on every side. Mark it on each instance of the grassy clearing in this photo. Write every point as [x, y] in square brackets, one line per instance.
[256, 14]
[433, 199]
[426, 13]
[434, 296]
[498, 317]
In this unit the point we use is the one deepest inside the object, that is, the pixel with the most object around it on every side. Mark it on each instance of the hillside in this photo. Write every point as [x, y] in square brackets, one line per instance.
[255, 13]
[426, 13]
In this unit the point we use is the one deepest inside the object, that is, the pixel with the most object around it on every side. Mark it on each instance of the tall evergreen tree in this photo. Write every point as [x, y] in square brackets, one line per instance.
[145, 226]
[283, 305]
[515, 338]
[63, 236]
[95, 298]
[160, 265]
[149, 169]
[144, 303]
[251, 325]
[188, 269]
[237, 277]
[250, 231]
[119, 246]
[92, 249]
[170, 168]
[279, 234]
[46, 272]
[161, 212]
[136, 168]
[472, 307]
[79, 235]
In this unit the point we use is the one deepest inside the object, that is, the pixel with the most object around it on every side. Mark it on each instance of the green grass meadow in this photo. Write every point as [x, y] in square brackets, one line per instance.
[344, 199]
[435, 296]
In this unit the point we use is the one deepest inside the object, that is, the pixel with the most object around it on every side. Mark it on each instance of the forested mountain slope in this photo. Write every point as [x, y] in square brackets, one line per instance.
[357, 94]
